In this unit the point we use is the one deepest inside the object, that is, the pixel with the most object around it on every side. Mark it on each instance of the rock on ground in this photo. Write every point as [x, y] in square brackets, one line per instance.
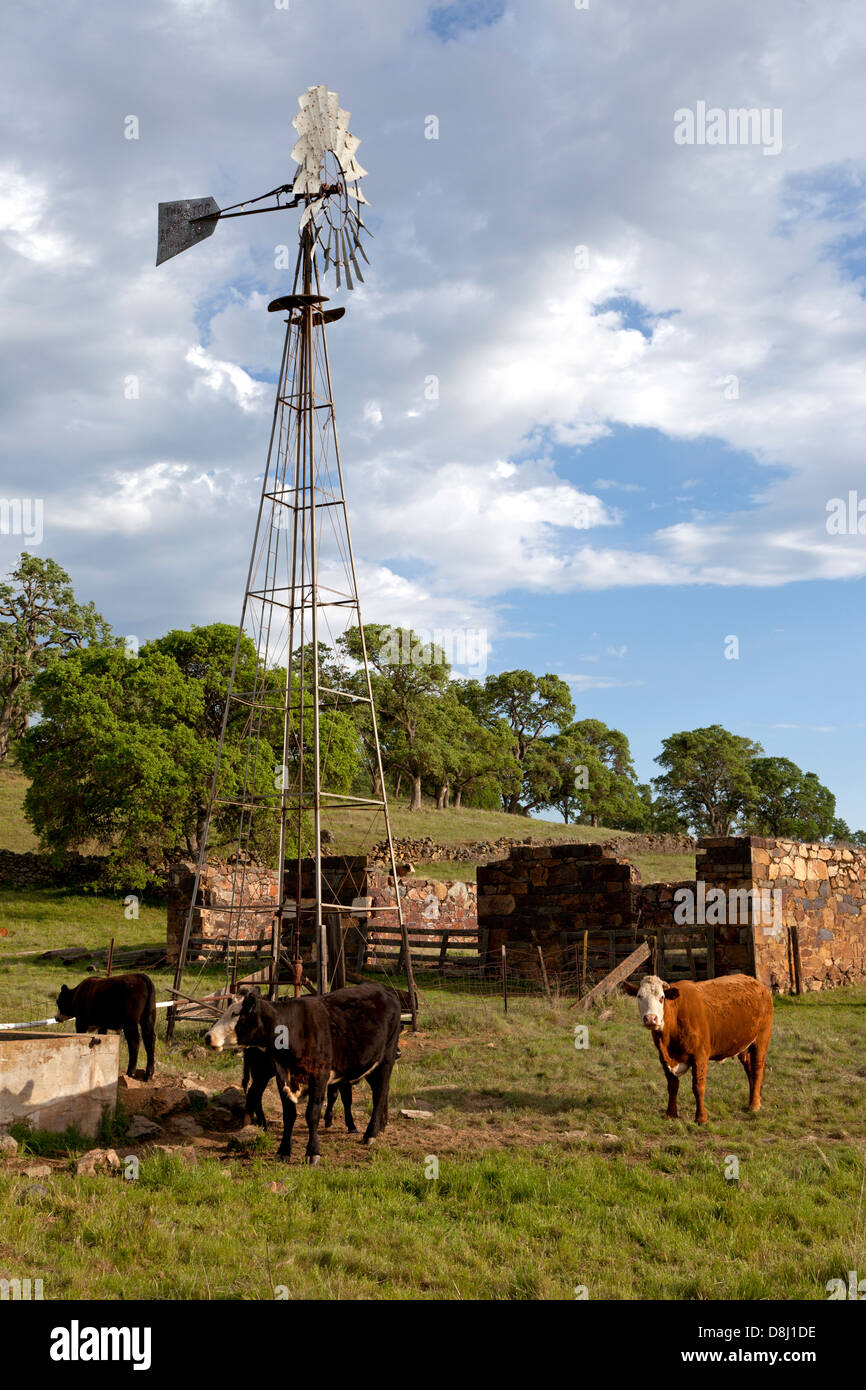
[97, 1160]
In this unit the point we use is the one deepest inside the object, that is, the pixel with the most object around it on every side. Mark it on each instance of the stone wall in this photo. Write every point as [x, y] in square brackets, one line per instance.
[426, 850]
[541, 893]
[819, 907]
[655, 904]
[35, 871]
[257, 897]
[546, 895]
[428, 905]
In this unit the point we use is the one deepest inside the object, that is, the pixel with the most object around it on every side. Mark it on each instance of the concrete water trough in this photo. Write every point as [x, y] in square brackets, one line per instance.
[58, 1079]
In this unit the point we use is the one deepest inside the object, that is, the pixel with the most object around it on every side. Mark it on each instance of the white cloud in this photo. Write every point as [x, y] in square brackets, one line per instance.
[226, 378]
[29, 221]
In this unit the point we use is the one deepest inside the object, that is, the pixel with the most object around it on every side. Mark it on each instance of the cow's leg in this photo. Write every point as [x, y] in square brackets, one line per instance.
[673, 1091]
[346, 1098]
[148, 1033]
[314, 1110]
[130, 1032]
[333, 1091]
[673, 1084]
[290, 1111]
[379, 1080]
[255, 1090]
[699, 1086]
[758, 1052]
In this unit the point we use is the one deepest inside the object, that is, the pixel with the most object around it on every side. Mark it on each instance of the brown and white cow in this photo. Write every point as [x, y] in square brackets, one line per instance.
[710, 1021]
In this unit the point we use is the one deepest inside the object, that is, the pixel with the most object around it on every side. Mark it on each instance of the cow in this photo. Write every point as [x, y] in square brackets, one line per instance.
[710, 1021]
[121, 1003]
[314, 1042]
[259, 1068]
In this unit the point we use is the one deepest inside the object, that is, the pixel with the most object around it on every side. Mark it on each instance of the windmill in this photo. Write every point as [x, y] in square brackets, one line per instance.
[272, 783]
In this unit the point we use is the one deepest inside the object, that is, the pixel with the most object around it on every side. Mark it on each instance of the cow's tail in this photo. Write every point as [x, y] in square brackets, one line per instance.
[150, 1000]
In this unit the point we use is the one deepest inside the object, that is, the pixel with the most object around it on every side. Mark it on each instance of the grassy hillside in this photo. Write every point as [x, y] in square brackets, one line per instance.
[15, 831]
[352, 832]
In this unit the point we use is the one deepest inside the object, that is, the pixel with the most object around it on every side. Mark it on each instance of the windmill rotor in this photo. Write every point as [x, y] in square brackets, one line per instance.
[327, 183]
[329, 179]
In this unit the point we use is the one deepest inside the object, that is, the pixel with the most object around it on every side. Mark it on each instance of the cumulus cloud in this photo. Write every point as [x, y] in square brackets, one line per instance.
[550, 270]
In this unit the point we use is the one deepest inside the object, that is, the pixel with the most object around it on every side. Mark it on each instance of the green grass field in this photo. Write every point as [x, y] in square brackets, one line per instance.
[556, 1166]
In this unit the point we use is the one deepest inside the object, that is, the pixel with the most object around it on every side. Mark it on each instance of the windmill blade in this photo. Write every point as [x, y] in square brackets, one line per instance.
[346, 260]
[176, 232]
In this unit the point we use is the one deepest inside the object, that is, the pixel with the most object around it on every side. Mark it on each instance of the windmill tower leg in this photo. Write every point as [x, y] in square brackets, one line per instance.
[302, 523]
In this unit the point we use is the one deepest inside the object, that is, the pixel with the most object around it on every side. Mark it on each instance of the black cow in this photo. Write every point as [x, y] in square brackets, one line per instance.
[258, 1070]
[314, 1043]
[121, 1004]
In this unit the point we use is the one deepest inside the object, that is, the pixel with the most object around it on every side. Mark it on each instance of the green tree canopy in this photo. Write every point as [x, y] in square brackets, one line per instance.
[124, 754]
[408, 678]
[531, 707]
[790, 803]
[707, 777]
[40, 621]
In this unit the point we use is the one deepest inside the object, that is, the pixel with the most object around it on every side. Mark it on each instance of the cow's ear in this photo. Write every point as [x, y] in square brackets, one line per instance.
[671, 992]
[629, 987]
[250, 1001]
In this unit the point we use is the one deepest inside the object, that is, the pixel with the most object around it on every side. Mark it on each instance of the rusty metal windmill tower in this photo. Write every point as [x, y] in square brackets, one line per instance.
[274, 783]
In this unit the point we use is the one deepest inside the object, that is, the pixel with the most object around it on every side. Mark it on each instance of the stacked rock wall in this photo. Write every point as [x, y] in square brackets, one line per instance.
[428, 905]
[256, 894]
[540, 893]
[805, 913]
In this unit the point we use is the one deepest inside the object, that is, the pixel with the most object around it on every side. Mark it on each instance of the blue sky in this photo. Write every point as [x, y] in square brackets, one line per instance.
[650, 356]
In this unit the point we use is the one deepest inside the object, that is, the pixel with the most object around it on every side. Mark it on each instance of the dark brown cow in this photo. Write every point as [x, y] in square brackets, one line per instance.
[318, 1043]
[121, 1004]
[696, 1023]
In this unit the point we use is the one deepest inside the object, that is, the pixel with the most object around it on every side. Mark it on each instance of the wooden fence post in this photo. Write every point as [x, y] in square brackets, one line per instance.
[543, 968]
[504, 979]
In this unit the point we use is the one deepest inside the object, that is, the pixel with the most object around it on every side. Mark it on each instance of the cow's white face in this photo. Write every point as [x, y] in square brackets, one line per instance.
[222, 1034]
[651, 1002]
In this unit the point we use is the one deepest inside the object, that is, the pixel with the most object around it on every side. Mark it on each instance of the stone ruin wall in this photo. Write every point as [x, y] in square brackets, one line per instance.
[543, 895]
[821, 909]
[211, 920]
[428, 904]
[546, 894]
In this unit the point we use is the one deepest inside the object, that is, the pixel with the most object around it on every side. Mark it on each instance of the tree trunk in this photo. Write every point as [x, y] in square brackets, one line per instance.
[457, 795]
[443, 797]
[594, 818]
[397, 785]
[415, 803]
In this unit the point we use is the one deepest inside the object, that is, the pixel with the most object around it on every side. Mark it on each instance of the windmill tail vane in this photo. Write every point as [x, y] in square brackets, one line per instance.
[278, 786]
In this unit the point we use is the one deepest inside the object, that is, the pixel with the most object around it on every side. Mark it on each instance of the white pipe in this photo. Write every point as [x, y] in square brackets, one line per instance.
[43, 1022]
[36, 1023]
